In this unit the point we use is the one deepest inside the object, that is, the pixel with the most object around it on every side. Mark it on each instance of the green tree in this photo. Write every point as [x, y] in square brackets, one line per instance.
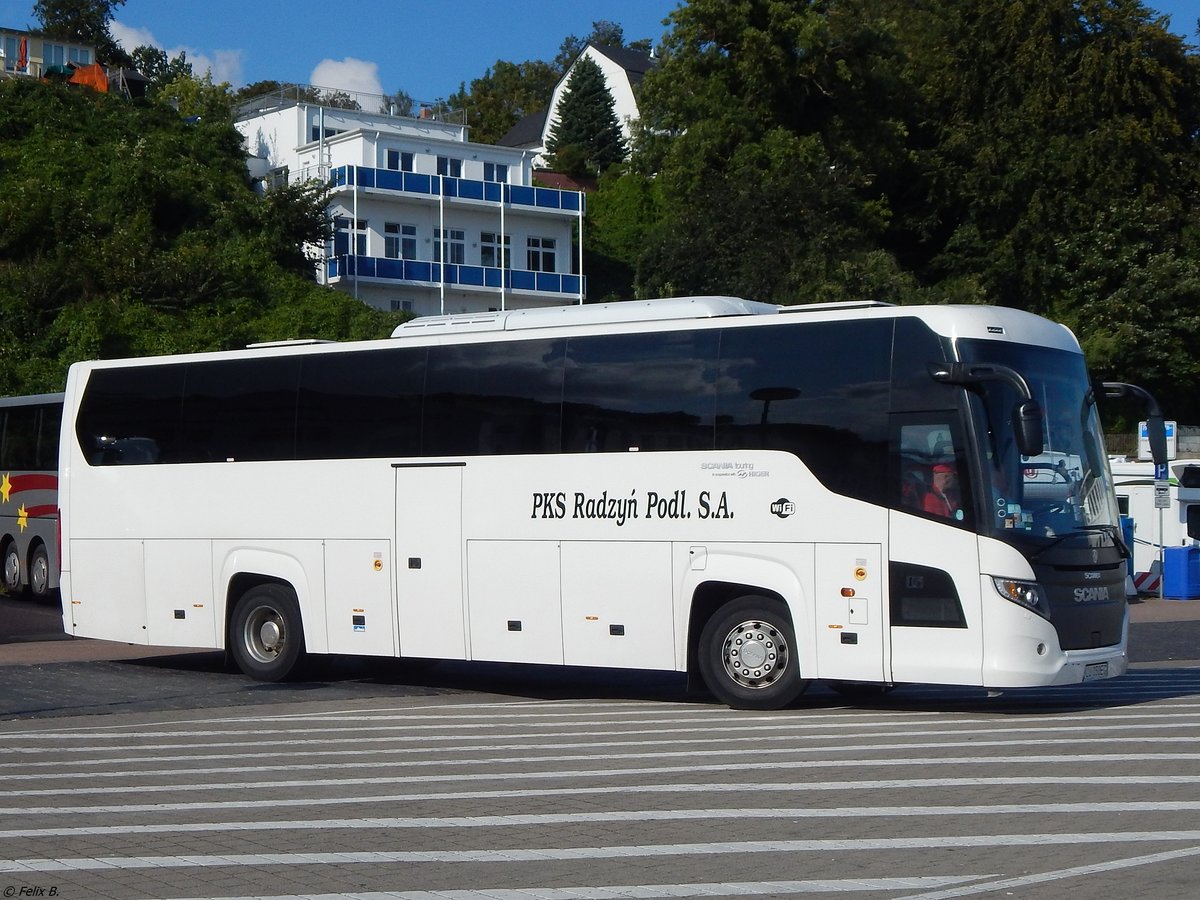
[158, 67]
[126, 229]
[503, 96]
[769, 124]
[586, 131]
[83, 22]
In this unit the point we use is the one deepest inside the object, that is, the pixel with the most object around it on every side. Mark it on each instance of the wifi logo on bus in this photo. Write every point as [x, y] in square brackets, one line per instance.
[783, 507]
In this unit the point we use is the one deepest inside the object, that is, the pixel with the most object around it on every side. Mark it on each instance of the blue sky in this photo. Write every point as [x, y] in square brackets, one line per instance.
[426, 48]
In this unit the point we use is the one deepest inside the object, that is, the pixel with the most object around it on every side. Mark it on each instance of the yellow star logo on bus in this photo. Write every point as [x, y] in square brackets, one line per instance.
[22, 517]
[5, 488]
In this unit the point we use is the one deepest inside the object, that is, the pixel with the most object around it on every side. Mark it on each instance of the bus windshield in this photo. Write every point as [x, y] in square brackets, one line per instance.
[1067, 488]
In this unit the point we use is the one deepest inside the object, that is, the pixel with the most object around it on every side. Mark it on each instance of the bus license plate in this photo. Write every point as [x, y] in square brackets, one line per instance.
[1095, 671]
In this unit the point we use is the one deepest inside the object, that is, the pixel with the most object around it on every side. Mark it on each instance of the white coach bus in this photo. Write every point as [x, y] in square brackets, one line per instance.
[756, 495]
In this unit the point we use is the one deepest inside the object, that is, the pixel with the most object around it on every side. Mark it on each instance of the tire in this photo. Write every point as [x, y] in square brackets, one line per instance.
[747, 655]
[12, 571]
[39, 575]
[266, 635]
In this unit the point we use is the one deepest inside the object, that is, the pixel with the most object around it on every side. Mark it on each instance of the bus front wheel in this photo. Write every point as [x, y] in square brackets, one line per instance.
[748, 655]
[266, 636]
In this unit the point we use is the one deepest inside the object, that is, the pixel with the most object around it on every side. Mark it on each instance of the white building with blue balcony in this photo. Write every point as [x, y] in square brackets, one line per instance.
[424, 220]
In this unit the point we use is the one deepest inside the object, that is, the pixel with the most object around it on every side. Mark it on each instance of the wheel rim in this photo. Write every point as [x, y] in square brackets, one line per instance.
[12, 570]
[264, 635]
[39, 575]
[755, 654]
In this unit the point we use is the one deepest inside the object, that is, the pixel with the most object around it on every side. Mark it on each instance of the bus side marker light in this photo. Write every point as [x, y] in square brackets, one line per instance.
[378, 565]
[847, 592]
[860, 573]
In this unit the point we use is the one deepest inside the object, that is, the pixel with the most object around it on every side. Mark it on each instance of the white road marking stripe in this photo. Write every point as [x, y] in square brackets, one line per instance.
[530, 755]
[623, 789]
[561, 854]
[847, 720]
[1111, 865]
[739, 766]
[655, 815]
[426, 745]
[647, 891]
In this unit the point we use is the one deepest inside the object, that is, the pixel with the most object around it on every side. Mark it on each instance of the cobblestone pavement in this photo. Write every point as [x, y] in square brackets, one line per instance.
[171, 777]
[922, 793]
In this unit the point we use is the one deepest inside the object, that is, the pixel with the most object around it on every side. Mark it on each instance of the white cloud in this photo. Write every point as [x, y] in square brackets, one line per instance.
[223, 65]
[348, 74]
[131, 38]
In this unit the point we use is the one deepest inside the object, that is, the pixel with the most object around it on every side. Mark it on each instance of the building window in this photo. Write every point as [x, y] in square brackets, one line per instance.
[83, 56]
[315, 134]
[399, 241]
[402, 306]
[489, 249]
[449, 166]
[495, 172]
[341, 225]
[400, 160]
[450, 245]
[277, 178]
[541, 254]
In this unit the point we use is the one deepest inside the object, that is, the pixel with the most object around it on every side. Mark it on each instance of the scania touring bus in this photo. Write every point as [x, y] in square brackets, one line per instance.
[757, 495]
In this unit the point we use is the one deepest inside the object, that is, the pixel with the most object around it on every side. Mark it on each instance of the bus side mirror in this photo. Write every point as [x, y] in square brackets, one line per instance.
[1027, 426]
[1156, 433]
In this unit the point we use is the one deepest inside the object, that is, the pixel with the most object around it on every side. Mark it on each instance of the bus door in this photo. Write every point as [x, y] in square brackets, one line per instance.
[429, 588]
[934, 602]
[851, 614]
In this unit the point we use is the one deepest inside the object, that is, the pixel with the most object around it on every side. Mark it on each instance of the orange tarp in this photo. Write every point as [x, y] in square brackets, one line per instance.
[92, 76]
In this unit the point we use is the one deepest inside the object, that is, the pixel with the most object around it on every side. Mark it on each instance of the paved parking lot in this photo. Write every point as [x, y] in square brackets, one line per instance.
[171, 777]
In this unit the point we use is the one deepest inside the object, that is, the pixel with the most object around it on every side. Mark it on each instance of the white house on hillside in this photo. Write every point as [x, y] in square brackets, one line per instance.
[424, 219]
[623, 70]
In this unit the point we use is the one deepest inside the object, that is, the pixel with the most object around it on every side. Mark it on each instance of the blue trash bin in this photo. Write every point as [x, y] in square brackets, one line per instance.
[1181, 573]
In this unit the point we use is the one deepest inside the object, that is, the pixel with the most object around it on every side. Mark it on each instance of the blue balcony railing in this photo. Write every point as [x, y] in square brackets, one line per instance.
[456, 188]
[466, 276]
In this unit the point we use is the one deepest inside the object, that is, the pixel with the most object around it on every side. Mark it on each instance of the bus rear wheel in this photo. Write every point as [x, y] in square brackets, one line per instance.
[747, 655]
[12, 570]
[39, 574]
[266, 635]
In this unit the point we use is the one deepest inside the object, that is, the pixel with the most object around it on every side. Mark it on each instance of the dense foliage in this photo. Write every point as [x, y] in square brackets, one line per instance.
[1041, 154]
[128, 229]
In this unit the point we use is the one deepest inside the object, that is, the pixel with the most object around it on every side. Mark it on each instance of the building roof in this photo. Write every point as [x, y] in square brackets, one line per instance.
[635, 63]
[528, 131]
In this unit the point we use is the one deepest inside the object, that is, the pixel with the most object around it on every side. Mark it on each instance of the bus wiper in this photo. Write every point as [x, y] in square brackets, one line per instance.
[1111, 530]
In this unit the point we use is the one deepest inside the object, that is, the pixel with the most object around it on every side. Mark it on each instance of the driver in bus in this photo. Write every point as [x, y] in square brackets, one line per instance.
[942, 498]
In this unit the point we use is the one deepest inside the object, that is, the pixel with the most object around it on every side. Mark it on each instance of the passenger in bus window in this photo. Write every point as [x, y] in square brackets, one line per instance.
[942, 498]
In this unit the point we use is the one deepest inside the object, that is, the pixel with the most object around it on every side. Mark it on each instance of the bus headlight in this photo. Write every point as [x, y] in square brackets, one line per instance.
[1023, 593]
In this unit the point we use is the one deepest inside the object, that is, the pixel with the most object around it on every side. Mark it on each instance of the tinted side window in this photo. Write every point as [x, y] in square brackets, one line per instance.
[128, 416]
[500, 398]
[49, 421]
[238, 409]
[649, 391]
[361, 404]
[20, 438]
[819, 390]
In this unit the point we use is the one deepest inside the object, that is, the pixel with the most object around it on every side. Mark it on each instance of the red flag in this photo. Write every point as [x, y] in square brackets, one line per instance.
[23, 55]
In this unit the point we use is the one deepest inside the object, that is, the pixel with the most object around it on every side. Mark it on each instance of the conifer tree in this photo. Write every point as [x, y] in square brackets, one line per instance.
[586, 138]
